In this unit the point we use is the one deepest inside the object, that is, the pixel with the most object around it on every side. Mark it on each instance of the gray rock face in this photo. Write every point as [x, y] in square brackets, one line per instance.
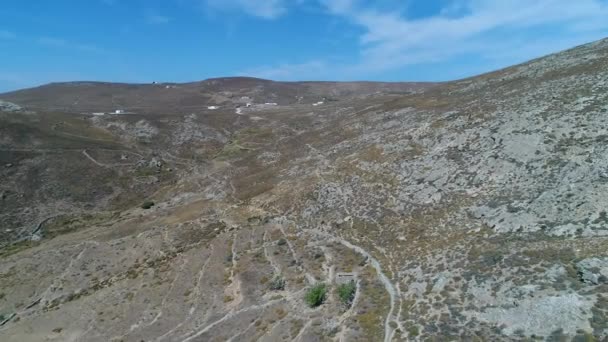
[593, 271]
[9, 106]
[542, 316]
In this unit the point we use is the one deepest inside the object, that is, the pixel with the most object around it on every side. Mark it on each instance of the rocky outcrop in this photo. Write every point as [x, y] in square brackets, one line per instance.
[593, 271]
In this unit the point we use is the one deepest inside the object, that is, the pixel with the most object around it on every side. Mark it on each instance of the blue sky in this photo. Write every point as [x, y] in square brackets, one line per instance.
[188, 40]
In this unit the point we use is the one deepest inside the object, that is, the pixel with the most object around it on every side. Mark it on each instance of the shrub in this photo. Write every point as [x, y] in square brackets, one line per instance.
[282, 242]
[315, 296]
[347, 291]
[147, 205]
[277, 284]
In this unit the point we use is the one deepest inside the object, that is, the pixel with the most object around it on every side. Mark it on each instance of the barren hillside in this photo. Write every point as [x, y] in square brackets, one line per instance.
[176, 98]
[469, 210]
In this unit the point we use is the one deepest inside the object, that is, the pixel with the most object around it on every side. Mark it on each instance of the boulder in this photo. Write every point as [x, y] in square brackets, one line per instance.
[593, 271]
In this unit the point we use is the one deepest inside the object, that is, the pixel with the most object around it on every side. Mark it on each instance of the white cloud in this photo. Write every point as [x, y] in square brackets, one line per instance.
[500, 32]
[267, 9]
[391, 40]
[157, 19]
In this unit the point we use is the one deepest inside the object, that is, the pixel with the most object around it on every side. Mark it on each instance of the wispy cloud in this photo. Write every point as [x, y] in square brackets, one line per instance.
[157, 19]
[312, 70]
[486, 29]
[266, 9]
[392, 40]
[65, 44]
[4, 34]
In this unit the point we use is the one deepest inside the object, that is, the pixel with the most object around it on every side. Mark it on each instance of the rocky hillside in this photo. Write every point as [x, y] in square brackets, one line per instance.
[470, 210]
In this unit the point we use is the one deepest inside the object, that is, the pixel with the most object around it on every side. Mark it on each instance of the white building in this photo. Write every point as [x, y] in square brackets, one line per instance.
[345, 277]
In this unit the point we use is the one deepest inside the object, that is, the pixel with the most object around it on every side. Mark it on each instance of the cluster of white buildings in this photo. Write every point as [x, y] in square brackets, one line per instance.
[116, 112]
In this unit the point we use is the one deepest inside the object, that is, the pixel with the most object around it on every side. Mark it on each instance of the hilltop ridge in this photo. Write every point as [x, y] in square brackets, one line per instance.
[173, 98]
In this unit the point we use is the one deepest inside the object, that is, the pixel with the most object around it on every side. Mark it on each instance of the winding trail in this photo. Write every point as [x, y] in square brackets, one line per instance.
[102, 164]
[196, 292]
[389, 332]
[274, 265]
[309, 277]
[302, 331]
[229, 316]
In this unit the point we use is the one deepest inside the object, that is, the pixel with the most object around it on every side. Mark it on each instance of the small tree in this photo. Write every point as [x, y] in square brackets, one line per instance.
[277, 284]
[347, 291]
[315, 296]
[147, 205]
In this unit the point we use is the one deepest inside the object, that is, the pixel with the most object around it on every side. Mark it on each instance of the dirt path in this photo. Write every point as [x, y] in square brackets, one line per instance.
[196, 293]
[275, 266]
[309, 277]
[86, 154]
[389, 332]
[230, 315]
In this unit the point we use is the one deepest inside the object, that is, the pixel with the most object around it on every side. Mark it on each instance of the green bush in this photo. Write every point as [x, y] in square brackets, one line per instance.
[147, 205]
[315, 296]
[277, 284]
[347, 291]
[413, 331]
